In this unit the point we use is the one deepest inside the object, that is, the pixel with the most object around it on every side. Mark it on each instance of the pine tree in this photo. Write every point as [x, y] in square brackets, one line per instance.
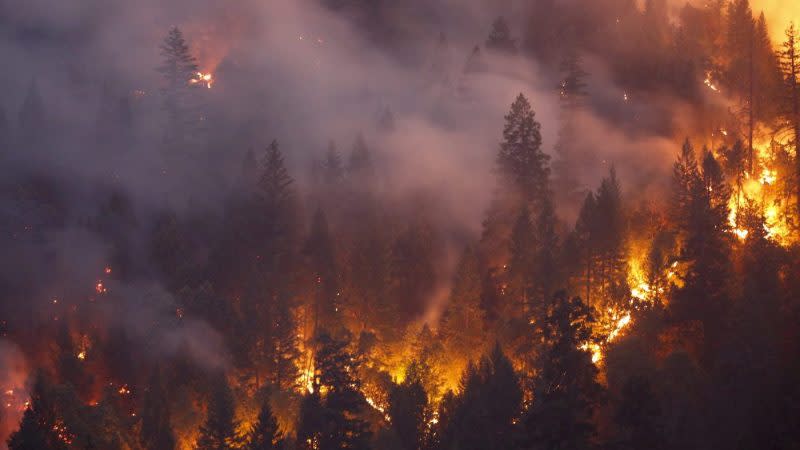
[181, 104]
[520, 161]
[324, 275]
[32, 125]
[156, 431]
[409, 411]
[609, 230]
[483, 415]
[462, 323]
[741, 70]
[275, 183]
[265, 435]
[545, 267]
[284, 346]
[523, 178]
[333, 170]
[790, 100]
[685, 176]
[521, 264]
[336, 422]
[586, 240]
[360, 166]
[638, 417]
[706, 247]
[500, 37]
[39, 429]
[218, 432]
[411, 271]
[570, 161]
[565, 388]
[367, 286]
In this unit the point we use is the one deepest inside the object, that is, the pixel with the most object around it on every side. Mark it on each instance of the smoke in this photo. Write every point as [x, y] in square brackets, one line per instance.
[289, 70]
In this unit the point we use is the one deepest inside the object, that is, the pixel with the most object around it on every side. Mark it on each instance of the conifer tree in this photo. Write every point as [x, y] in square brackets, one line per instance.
[500, 37]
[609, 231]
[359, 165]
[38, 429]
[274, 183]
[218, 431]
[265, 435]
[706, 246]
[521, 164]
[32, 121]
[638, 417]
[411, 270]
[790, 100]
[337, 423]
[462, 323]
[483, 414]
[522, 172]
[521, 264]
[545, 275]
[156, 430]
[324, 274]
[409, 411]
[565, 388]
[284, 345]
[570, 159]
[333, 171]
[181, 104]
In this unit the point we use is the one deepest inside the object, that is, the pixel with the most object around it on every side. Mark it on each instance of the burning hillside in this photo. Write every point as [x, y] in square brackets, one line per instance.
[326, 225]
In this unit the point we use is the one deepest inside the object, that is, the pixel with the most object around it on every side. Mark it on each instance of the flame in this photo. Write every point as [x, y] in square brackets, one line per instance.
[710, 82]
[763, 189]
[203, 78]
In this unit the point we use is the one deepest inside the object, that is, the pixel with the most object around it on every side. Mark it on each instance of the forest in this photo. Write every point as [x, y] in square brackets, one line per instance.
[419, 225]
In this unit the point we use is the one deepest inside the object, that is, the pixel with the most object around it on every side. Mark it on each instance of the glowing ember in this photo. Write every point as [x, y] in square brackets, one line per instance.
[81, 355]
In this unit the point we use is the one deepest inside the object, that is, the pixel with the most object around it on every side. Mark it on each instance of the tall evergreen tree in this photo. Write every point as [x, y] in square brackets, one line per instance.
[265, 435]
[790, 100]
[32, 122]
[218, 431]
[330, 417]
[409, 411]
[520, 161]
[319, 250]
[360, 166]
[462, 323]
[500, 37]
[610, 230]
[332, 167]
[523, 178]
[706, 244]
[181, 104]
[483, 415]
[638, 417]
[39, 429]
[156, 430]
[565, 387]
[571, 160]
[284, 345]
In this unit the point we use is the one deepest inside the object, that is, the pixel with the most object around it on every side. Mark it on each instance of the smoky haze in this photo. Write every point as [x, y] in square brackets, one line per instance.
[290, 70]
